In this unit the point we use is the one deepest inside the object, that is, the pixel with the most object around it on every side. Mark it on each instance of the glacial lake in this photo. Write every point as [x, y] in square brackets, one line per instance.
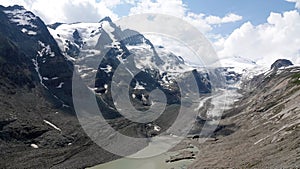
[155, 162]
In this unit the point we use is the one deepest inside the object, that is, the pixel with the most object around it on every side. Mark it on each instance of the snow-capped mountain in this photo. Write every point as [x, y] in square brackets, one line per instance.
[238, 69]
[97, 49]
[86, 39]
[85, 44]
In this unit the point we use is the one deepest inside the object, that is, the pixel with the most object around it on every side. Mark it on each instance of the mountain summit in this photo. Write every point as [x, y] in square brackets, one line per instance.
[281, 63]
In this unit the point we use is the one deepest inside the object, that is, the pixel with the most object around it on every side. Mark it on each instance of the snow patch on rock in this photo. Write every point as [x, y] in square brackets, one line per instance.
[52, 125]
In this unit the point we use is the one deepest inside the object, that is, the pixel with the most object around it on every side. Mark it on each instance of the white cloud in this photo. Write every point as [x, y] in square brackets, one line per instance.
[68, 10]
[170, 7]
[111, 3]
[13, 2]
[179, 9]
[226, 19]
[297, 5]
[278, 38]
[198, 20]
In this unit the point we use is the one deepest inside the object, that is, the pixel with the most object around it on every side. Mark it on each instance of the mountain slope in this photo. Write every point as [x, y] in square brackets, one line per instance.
[40, 50]
[265, 126]
[38, 128]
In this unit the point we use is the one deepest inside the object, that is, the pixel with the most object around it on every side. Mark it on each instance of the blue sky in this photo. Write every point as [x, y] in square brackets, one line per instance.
[256, 11]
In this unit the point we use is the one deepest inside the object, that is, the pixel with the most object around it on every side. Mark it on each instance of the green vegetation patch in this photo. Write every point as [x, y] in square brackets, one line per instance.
[296, 78]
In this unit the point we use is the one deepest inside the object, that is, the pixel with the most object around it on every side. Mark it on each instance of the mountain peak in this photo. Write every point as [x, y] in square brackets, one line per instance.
[55, 25]
[281, 63]
[15, 7]
[107, 18]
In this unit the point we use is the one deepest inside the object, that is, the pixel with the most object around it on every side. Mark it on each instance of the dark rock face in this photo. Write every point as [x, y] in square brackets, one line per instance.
[35, 88]
[73, 50]
[231, 77]
[37, 51]
[77, 38]
[281, 63]
[55, 25]
[107, 18]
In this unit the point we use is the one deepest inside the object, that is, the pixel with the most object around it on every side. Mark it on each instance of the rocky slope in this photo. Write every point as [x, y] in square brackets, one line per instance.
[262, 129]
[38, 128]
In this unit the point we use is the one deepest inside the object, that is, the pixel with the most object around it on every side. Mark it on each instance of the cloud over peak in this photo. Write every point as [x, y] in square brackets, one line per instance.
[278, 38]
